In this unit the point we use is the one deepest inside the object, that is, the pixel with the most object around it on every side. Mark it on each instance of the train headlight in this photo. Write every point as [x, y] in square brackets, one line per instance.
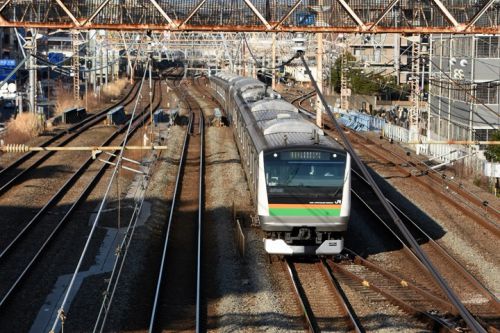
[334, 155]
[275, 154]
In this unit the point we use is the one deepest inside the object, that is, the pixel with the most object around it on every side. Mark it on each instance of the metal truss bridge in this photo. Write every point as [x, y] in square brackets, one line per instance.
[349, 16]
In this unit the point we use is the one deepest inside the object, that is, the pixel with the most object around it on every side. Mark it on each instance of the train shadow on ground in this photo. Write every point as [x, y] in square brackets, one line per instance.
[367, 235]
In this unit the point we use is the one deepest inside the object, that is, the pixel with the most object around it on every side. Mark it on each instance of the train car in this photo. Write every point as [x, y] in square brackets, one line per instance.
[299, 178]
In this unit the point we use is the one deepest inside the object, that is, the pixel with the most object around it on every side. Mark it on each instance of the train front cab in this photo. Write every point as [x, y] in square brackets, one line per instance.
[304, 200]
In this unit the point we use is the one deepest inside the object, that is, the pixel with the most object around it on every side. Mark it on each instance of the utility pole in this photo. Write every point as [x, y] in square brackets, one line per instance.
[93, 73]
[254, 64]
[151, 99]
[397, 51]
[345, 92]
[244, 56]
[31, 46]
[273, 62]
[319, 8]
[319, 79]
[76, 64]
[415, 90]
[107, 67]
[101, 67]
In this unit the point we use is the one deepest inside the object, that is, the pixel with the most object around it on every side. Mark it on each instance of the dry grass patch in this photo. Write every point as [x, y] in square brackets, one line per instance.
[115, 88]
[65, 101]
[23, 128]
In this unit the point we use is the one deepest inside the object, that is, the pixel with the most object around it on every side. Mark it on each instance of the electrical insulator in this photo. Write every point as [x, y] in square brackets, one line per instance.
[16, 148]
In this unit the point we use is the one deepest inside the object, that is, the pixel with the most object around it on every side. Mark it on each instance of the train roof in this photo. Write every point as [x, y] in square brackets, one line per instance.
[278, 123]
[273, 122]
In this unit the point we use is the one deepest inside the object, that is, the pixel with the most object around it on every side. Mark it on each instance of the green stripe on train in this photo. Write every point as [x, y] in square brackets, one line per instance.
[304, 212]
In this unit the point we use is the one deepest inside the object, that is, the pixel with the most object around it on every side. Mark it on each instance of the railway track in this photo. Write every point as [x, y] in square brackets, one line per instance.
[29, 245]
[381, 288]
[16, 171]
[464, 201]
[49, 181]
[478, 299]
[325, 307]
[476, 208]
[178, 296]
[406, 234]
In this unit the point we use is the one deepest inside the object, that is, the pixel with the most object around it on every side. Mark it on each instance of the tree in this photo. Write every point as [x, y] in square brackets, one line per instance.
[362, 82]
[337, 69]
[492, 152]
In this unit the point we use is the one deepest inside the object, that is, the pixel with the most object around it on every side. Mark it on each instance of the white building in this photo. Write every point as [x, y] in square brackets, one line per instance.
[464, 86]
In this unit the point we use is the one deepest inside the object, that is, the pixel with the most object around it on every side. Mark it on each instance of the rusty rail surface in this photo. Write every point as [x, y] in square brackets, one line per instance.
[309, 279]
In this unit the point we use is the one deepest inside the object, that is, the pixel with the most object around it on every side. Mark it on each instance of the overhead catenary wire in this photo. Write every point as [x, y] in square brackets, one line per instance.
[61, 312]
[122, 251]
[121, 254]
[466, 315]
[260, 64]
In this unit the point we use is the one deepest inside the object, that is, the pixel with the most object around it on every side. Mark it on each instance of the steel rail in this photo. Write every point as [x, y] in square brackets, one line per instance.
[62, 190]
[440, 251]
[342, 298]
[480, 217]
[166, 237]
[437, 177]
[475, 215]
[422, 235]
[62, 133]
[466, 315]
[199, 227]
[124, 248]
[301, 296]
[304, 97]
[138, 120]
[448, 306]
[78, 128]
[201, 188]
[299, 100]
[61, 317]
[399, 280]
[391, 297]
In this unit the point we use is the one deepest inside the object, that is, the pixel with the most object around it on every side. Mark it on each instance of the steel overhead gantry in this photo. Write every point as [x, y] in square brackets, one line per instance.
[362, 16]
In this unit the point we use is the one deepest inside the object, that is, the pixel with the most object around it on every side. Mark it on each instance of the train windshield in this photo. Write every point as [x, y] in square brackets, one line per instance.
[288, 171]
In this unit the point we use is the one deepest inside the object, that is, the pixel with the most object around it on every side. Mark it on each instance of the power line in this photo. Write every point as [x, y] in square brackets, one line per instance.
[61, 314]
[260, 64]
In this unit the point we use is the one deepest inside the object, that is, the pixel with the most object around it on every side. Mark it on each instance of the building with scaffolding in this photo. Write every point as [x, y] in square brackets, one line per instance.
[464, 87]
[385, 54]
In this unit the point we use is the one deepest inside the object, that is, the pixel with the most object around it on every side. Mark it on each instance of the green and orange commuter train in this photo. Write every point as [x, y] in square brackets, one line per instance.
[299, 177]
